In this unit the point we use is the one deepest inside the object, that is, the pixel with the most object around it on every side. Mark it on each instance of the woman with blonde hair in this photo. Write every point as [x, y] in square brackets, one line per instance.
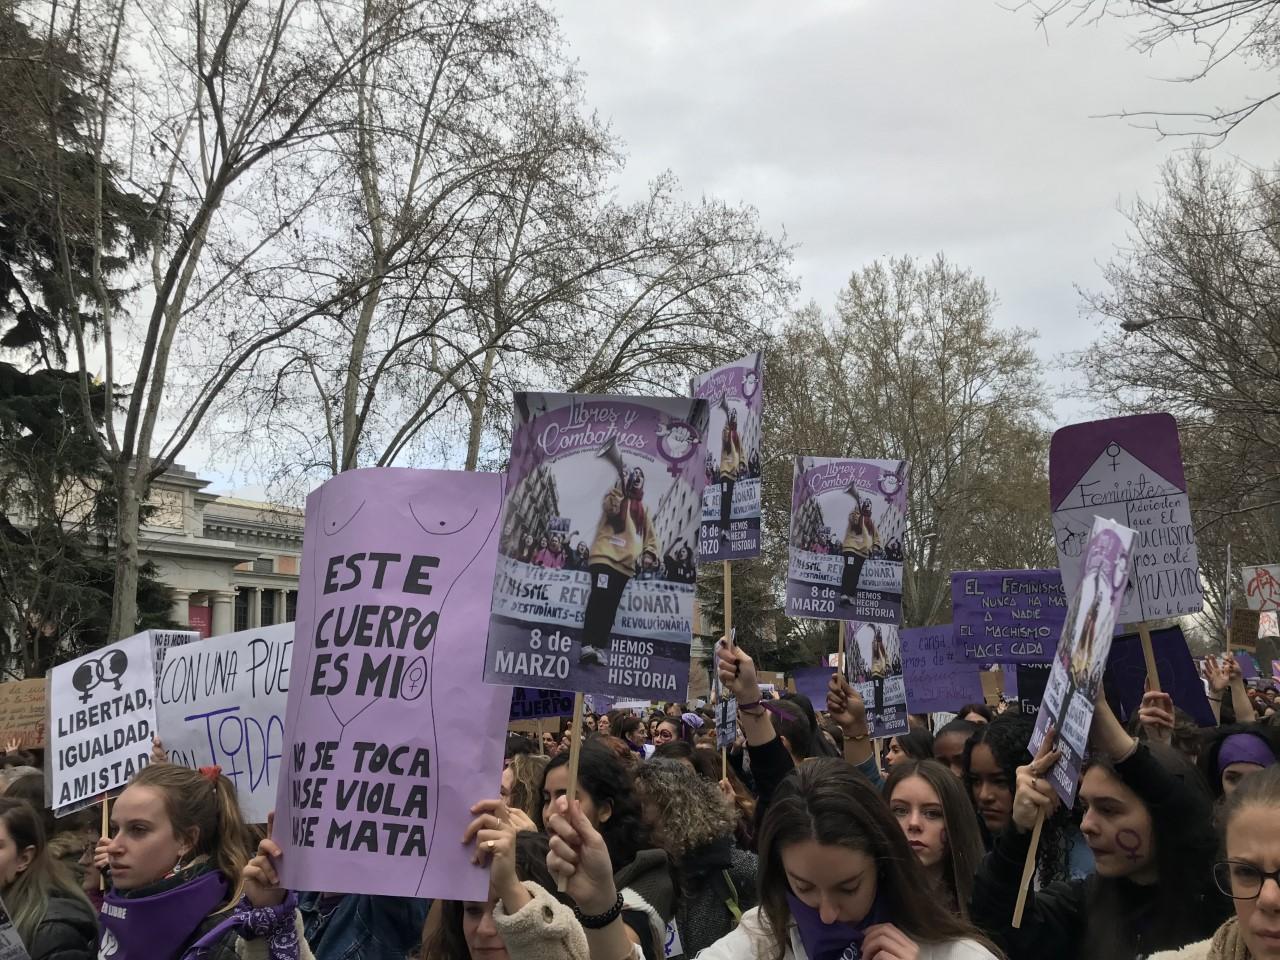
[53, 917]
[522, 785]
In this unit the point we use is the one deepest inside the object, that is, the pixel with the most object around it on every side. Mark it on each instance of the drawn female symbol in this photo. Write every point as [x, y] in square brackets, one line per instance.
[1130, 841]
[1113, 451]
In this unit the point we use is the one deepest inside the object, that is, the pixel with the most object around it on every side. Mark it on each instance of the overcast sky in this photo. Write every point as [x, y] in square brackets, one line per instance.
[872, 128]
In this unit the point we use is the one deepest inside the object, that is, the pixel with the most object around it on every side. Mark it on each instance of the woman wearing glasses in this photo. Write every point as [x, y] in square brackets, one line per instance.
[1249, 874]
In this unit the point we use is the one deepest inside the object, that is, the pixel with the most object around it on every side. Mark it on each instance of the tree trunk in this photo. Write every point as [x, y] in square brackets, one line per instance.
[124, 600]
[478, 408]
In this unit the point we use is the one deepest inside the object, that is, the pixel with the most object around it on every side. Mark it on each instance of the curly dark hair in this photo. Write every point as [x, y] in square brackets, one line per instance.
[608, 782]
[1007, 737]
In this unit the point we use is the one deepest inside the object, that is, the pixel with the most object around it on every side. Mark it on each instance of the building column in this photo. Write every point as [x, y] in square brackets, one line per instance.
[255, 607]
[180, 612]
[224, 611]
[280, 605]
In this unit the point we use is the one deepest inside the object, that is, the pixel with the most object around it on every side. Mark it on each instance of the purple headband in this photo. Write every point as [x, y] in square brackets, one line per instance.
[1244, 748]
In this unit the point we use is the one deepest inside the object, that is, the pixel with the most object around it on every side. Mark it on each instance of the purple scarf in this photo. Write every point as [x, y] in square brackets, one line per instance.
[831, 941]
[157, 927]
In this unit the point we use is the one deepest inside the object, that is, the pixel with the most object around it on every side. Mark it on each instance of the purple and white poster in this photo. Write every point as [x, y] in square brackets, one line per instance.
[1129, 470]
[847, 522]
[390, 736]
[1008, 616]
[873, 667]
[613, 614]
[730, 528]
[1082, 652]
[937, 676]
[528, 703]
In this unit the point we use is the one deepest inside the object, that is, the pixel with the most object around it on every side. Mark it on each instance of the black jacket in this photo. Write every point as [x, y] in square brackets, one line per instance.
[1056, 920]
[69, 931]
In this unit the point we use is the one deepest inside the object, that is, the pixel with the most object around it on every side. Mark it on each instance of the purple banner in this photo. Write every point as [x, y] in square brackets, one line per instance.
[607, 608]
[1128, 469]
[390, 736]
[847, 522]
[1248, 666]
[1008, 616]
[1179, 675]
[529, 703]
[873, 666]
[937, 677]
[730, 527]
[812, 682]
[1082, 652]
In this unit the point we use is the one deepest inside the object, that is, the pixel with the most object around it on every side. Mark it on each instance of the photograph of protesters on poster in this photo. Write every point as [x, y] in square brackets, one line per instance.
[873, 667]
[730, 528]
[847, 522]
[595, 579]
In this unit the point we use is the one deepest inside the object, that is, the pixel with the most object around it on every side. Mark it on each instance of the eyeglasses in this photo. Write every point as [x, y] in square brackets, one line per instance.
[1240, 880]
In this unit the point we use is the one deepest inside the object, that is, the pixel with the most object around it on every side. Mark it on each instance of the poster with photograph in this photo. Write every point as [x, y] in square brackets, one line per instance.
[390, 734]
[608, 607]
[873, 667]
[1128, 469]
[1082, 651]
[730, 528]
[847, 522]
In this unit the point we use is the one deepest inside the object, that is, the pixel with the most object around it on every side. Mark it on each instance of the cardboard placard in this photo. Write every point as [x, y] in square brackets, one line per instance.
[1246, 627]
[24, 704]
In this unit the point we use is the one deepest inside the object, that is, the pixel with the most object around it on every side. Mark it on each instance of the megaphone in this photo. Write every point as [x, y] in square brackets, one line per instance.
[610, 453]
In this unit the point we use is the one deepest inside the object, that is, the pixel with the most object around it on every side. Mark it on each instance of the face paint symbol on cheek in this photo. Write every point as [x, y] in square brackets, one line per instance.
[1131, 843]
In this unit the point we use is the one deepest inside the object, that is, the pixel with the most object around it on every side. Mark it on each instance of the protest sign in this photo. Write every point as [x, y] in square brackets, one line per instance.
[873, 666]
[1269, 624]
[390, 736]
[616, 616]
[222, 701]
[1179, 676]
[1082, 652]
[1246, 626]
[1262, 587]
[730, 527]
[847, 522]
[102, 717]
[1129, 470]
[992, 681]
[23, 708]
[11, 947]
[812, 682]
[162, 640]
[1030, 681]
[937, 676]
[528, 703]
[1248, 665]
[1009, 616]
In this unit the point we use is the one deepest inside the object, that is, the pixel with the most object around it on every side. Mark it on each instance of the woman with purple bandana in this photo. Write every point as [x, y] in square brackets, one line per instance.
[176, 854]
[1235, 752]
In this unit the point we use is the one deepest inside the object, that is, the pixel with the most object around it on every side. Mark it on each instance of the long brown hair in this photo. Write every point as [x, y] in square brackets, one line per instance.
[825, 800]
[964, 839]
[28, 896]
[207, 806]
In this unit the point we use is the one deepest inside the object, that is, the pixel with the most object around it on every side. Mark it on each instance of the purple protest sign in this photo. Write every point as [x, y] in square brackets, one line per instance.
[1008, 616]
[812, 682]
[1127, 675]
[730, 528]
[847, 522]
[1129, 470]
[873, 667]
[1081, 656]
[390, 736]
[609, 608]
[1248, 666]
[529, 703]
[937, 676]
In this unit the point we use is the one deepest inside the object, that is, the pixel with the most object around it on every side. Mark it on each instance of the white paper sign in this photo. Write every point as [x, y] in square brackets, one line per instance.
[222, 701]
[162, 640]
[103, 714]
[1262, 587]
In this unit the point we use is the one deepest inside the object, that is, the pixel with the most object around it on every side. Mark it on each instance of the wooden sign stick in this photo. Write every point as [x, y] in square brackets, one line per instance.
[1153, 673]
[575, 746]
[106, 832]
[728, 633]
[1028, 871]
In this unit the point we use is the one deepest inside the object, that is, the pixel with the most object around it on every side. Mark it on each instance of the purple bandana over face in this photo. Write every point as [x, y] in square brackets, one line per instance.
[157, 927]
[831, 941]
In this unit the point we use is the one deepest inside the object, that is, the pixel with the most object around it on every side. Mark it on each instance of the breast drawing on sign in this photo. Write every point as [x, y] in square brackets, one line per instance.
[438, 534]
